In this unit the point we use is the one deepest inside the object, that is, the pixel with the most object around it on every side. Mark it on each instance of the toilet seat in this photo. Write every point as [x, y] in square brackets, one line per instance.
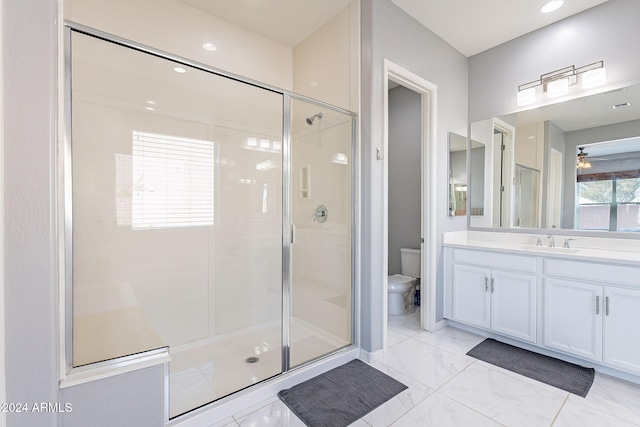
[400, 283]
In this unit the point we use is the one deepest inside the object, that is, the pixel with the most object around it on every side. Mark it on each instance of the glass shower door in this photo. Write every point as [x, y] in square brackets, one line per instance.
[320, 311]
[177, 219]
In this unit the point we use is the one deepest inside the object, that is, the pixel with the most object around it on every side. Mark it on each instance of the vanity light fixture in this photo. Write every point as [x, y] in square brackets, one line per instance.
[558, 88]
[556, 83]
[527, 96]
[594, 78]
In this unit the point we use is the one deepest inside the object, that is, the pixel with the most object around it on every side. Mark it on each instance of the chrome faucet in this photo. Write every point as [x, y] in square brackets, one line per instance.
[552, 243]
[538, 240]
[566, 243]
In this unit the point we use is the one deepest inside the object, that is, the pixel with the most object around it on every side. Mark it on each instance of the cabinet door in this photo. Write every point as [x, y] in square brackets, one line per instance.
[573, 318]
[621, 336]
[471, 297]
[513, 305]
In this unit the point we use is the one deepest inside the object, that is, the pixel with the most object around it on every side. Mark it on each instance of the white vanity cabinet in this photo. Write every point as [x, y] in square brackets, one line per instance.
[485, 294]
[572, 318]
[593, 312]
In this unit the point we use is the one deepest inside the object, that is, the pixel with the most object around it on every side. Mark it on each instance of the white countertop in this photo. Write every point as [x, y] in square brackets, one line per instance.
[620, 251]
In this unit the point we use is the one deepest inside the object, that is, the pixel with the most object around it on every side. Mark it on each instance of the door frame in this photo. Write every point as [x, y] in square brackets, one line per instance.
[428, 95]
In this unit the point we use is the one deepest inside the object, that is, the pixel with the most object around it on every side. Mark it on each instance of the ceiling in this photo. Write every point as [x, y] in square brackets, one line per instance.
[470, 26]
[473, 26]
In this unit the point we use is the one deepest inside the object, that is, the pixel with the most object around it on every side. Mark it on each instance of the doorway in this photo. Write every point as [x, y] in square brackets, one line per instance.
[420, 186]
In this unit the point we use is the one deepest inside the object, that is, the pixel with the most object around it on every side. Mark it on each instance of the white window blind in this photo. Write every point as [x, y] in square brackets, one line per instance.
[173, 182]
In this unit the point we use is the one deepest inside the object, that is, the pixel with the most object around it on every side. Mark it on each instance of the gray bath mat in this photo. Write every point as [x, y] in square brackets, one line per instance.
[341, 396]
[557, 373]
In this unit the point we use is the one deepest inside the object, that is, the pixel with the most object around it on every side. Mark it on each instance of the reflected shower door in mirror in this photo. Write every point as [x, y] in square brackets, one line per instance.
[457, 175]
[587, 154]
[321, 258]
[526, 197]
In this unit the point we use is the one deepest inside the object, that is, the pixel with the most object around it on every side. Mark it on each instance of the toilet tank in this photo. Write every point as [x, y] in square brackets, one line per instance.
[410, 262]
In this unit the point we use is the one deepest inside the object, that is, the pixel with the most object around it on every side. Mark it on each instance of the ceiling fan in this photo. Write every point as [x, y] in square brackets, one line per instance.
[582, 163]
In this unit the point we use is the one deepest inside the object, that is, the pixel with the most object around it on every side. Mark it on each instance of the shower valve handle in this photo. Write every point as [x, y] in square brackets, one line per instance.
[321, 214]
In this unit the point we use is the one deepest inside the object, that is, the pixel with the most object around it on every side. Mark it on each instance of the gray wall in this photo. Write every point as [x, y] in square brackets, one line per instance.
[129, 400]
[404, 173]
[608, 32]
[388, 32]
[553, 138]
[31, 287]
[29, 83]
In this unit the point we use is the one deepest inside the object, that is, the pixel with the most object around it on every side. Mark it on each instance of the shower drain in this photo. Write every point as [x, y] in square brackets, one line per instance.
[252, 360]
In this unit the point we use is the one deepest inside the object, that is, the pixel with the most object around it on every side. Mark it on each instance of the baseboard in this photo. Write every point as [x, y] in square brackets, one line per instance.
[441, 324]
[371, 356]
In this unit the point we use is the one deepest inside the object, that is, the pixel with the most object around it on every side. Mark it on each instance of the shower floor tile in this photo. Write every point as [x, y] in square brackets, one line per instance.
[200, 374]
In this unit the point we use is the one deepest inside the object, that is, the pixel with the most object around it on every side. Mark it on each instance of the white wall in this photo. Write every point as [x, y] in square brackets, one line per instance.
[323, 66]
[388, 32]
[606, 32]
[404, 173]
[180, 29]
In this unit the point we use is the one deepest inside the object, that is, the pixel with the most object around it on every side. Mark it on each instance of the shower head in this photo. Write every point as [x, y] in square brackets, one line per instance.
[312, 118]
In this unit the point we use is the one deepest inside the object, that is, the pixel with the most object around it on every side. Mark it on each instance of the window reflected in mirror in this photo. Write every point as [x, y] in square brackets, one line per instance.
[608, 186]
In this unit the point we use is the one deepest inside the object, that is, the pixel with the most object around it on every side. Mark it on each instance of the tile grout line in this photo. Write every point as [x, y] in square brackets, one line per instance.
[559, 410]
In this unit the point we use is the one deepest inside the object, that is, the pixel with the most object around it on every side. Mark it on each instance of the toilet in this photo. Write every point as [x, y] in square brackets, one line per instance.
[401, 287]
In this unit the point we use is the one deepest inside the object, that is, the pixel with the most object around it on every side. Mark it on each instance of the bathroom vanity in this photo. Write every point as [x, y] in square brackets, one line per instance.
[582, 302]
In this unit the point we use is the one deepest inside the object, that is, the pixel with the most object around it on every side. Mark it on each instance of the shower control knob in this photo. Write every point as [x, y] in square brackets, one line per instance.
[321, 214]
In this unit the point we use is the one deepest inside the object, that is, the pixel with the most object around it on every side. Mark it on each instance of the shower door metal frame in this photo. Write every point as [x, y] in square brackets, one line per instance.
[70, 375]
[289, 228]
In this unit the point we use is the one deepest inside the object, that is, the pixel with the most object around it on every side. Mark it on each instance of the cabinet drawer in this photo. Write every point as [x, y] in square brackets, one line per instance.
[607, 274]
[524, 264]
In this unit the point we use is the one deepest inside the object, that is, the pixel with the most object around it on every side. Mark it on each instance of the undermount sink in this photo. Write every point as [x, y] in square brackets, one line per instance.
[551, 249]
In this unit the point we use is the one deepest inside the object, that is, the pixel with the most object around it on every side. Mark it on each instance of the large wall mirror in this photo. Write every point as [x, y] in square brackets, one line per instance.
[571, 165]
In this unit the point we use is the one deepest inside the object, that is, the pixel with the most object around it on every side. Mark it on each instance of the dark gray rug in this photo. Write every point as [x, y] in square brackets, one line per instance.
[557, 373]
[340, 396]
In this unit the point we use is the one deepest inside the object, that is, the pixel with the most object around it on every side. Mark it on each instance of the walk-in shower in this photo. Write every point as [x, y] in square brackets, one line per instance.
[191, 221]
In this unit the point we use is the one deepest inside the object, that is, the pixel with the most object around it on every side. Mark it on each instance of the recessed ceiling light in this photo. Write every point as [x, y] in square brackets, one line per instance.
[151, 102]
[209, 46]
[314, 84]
[149, 108]
[551, 6]
[179, 70]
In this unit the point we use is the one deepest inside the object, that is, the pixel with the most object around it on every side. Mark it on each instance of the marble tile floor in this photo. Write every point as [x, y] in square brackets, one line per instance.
[449, 389]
